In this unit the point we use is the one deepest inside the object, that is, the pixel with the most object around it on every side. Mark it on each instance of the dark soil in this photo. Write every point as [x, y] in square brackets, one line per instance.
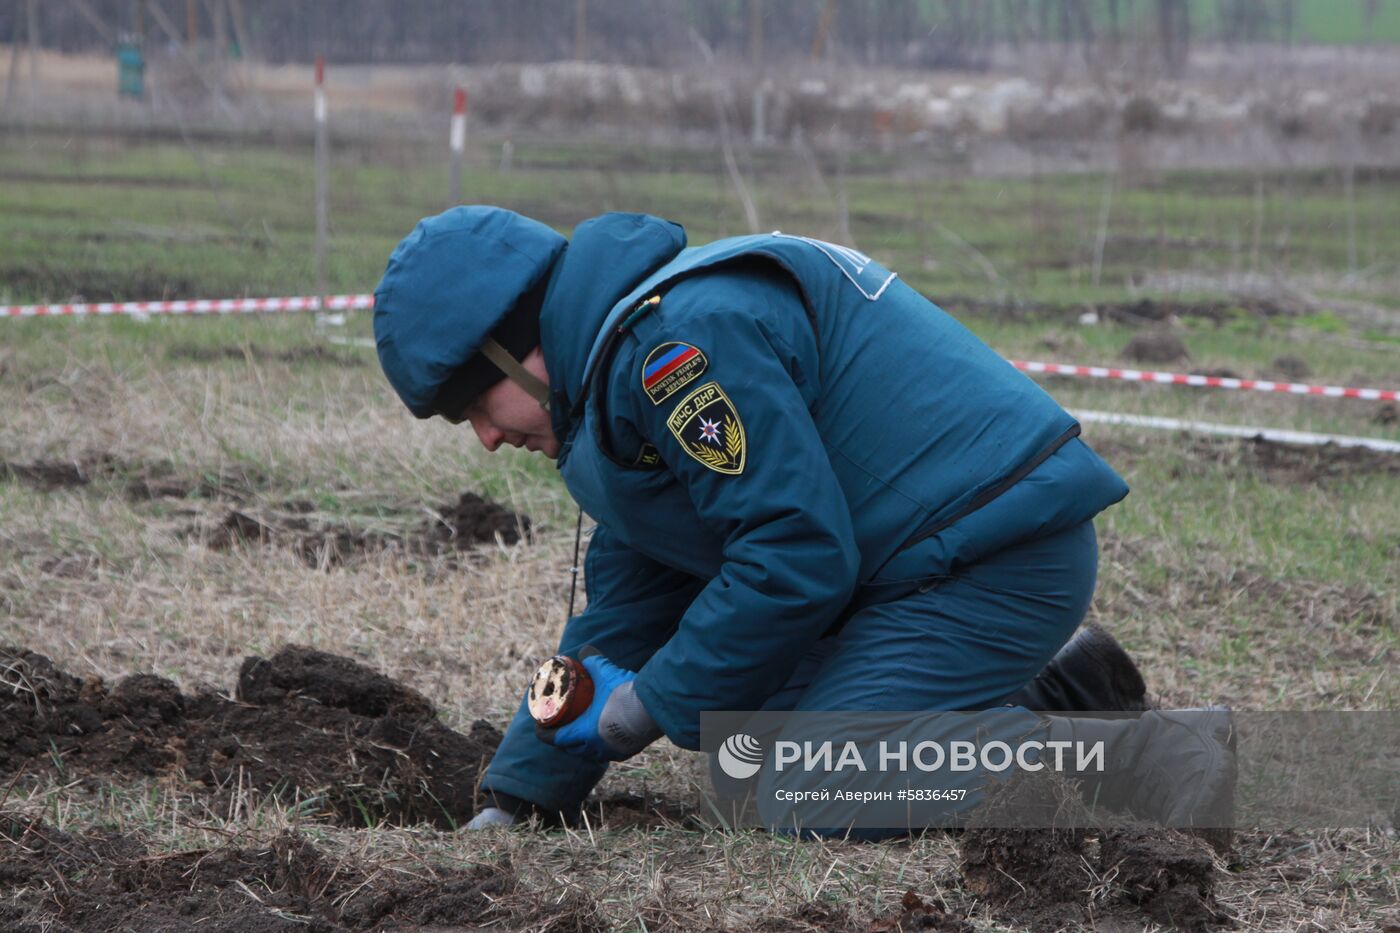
[1046, 879]
[138, 481]
[469, 522]
[342, 741]
[1028, 869]
[1155, 347]
[1170, 876]
[1289, 369]
[1291, 464]
[625, 811]
[455, 526]
[69, 283]
[51, 880]
[1141, 312]
[249, 354]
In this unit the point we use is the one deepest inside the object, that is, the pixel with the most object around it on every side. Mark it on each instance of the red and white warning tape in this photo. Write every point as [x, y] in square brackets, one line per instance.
[1212, 382]
[194, 306]
[357, 302]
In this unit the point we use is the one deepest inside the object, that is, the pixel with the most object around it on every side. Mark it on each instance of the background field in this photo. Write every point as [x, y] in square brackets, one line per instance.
[1237, 571]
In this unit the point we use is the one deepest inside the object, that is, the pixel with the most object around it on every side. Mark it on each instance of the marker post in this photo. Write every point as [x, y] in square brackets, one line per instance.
[457, 140]
[322, 168]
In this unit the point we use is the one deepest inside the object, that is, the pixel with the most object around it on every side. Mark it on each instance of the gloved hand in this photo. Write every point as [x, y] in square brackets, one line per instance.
[615, 726]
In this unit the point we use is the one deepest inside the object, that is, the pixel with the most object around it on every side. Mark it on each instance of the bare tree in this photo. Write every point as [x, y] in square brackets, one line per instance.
[1174, 33]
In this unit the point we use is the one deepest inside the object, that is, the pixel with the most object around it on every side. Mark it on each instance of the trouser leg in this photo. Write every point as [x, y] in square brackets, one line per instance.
[966, 644]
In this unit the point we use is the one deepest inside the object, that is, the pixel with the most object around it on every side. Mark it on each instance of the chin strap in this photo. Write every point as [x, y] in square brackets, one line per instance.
[515, 372]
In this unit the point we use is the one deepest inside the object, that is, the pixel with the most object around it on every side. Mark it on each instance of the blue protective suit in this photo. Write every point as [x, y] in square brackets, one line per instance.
[809, 482]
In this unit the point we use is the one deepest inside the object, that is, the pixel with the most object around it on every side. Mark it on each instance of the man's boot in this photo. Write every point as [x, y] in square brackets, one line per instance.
[1090, 673]
[1176, 767]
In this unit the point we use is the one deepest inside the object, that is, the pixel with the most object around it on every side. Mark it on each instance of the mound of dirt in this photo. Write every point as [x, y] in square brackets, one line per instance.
[84, 884]
[1138, 312]
[1028, 869]
[469, 522]
[138, 481]
[627, 810]
[1293, 464]
[453, 526]
[1052, 878]
[1155, 347]
[342, 741]
[312, 354]
[1289, 368]
[1170, 876]
[330, 680]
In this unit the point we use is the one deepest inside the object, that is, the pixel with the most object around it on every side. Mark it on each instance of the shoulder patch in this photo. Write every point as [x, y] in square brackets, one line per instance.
[708, 427]
[669, 368]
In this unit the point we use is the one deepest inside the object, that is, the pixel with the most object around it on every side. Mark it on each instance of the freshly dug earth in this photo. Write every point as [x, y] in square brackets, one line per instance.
[99, 881]
[1051, 878]
[52, 880]
[1292, 464]
[1171, 876]
[1155, 347]
[249, 354]
[454, 527]
[1286, 464]
[138, 481]
[330, 735]
[469, 522]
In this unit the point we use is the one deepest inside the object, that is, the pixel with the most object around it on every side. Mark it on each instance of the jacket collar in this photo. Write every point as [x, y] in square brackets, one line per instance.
[606, 259]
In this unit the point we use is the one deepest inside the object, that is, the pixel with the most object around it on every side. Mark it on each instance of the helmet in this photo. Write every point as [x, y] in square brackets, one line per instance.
[464, 285]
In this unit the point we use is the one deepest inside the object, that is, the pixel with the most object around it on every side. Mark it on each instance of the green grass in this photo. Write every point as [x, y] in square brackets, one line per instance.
[1344, 22]
[127, 222]
[1266, 585]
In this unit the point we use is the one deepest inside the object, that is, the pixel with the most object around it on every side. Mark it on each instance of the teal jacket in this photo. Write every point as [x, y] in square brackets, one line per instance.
[788, 421]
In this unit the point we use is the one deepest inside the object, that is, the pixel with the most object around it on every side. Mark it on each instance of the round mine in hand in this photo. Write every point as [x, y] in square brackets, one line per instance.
[560, 690]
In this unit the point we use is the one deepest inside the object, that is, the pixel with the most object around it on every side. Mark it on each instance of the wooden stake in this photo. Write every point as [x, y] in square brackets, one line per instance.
[32, 11]
[823, 27]
[1105, 206]
[581, 30]
[14, 54]
[322, 187]
[240, 29]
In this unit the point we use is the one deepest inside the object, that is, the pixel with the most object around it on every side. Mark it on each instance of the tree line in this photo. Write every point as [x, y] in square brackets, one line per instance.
[904, 33]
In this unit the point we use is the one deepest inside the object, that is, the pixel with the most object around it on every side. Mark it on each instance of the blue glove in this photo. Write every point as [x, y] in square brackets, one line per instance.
[615, 726]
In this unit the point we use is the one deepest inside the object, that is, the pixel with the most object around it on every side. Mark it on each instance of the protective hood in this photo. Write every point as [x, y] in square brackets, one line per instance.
[608, 257]
[446, 287]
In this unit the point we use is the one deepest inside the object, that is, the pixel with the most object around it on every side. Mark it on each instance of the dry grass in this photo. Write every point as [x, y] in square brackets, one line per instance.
[107, 585]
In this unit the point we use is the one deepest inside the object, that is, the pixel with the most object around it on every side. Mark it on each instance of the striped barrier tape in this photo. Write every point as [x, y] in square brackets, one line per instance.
[359, 302]
[1213, 382]
[1276, 435]
[194, 306]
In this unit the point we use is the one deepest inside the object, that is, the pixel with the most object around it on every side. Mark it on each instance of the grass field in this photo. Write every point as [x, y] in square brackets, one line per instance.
[1248, 573]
